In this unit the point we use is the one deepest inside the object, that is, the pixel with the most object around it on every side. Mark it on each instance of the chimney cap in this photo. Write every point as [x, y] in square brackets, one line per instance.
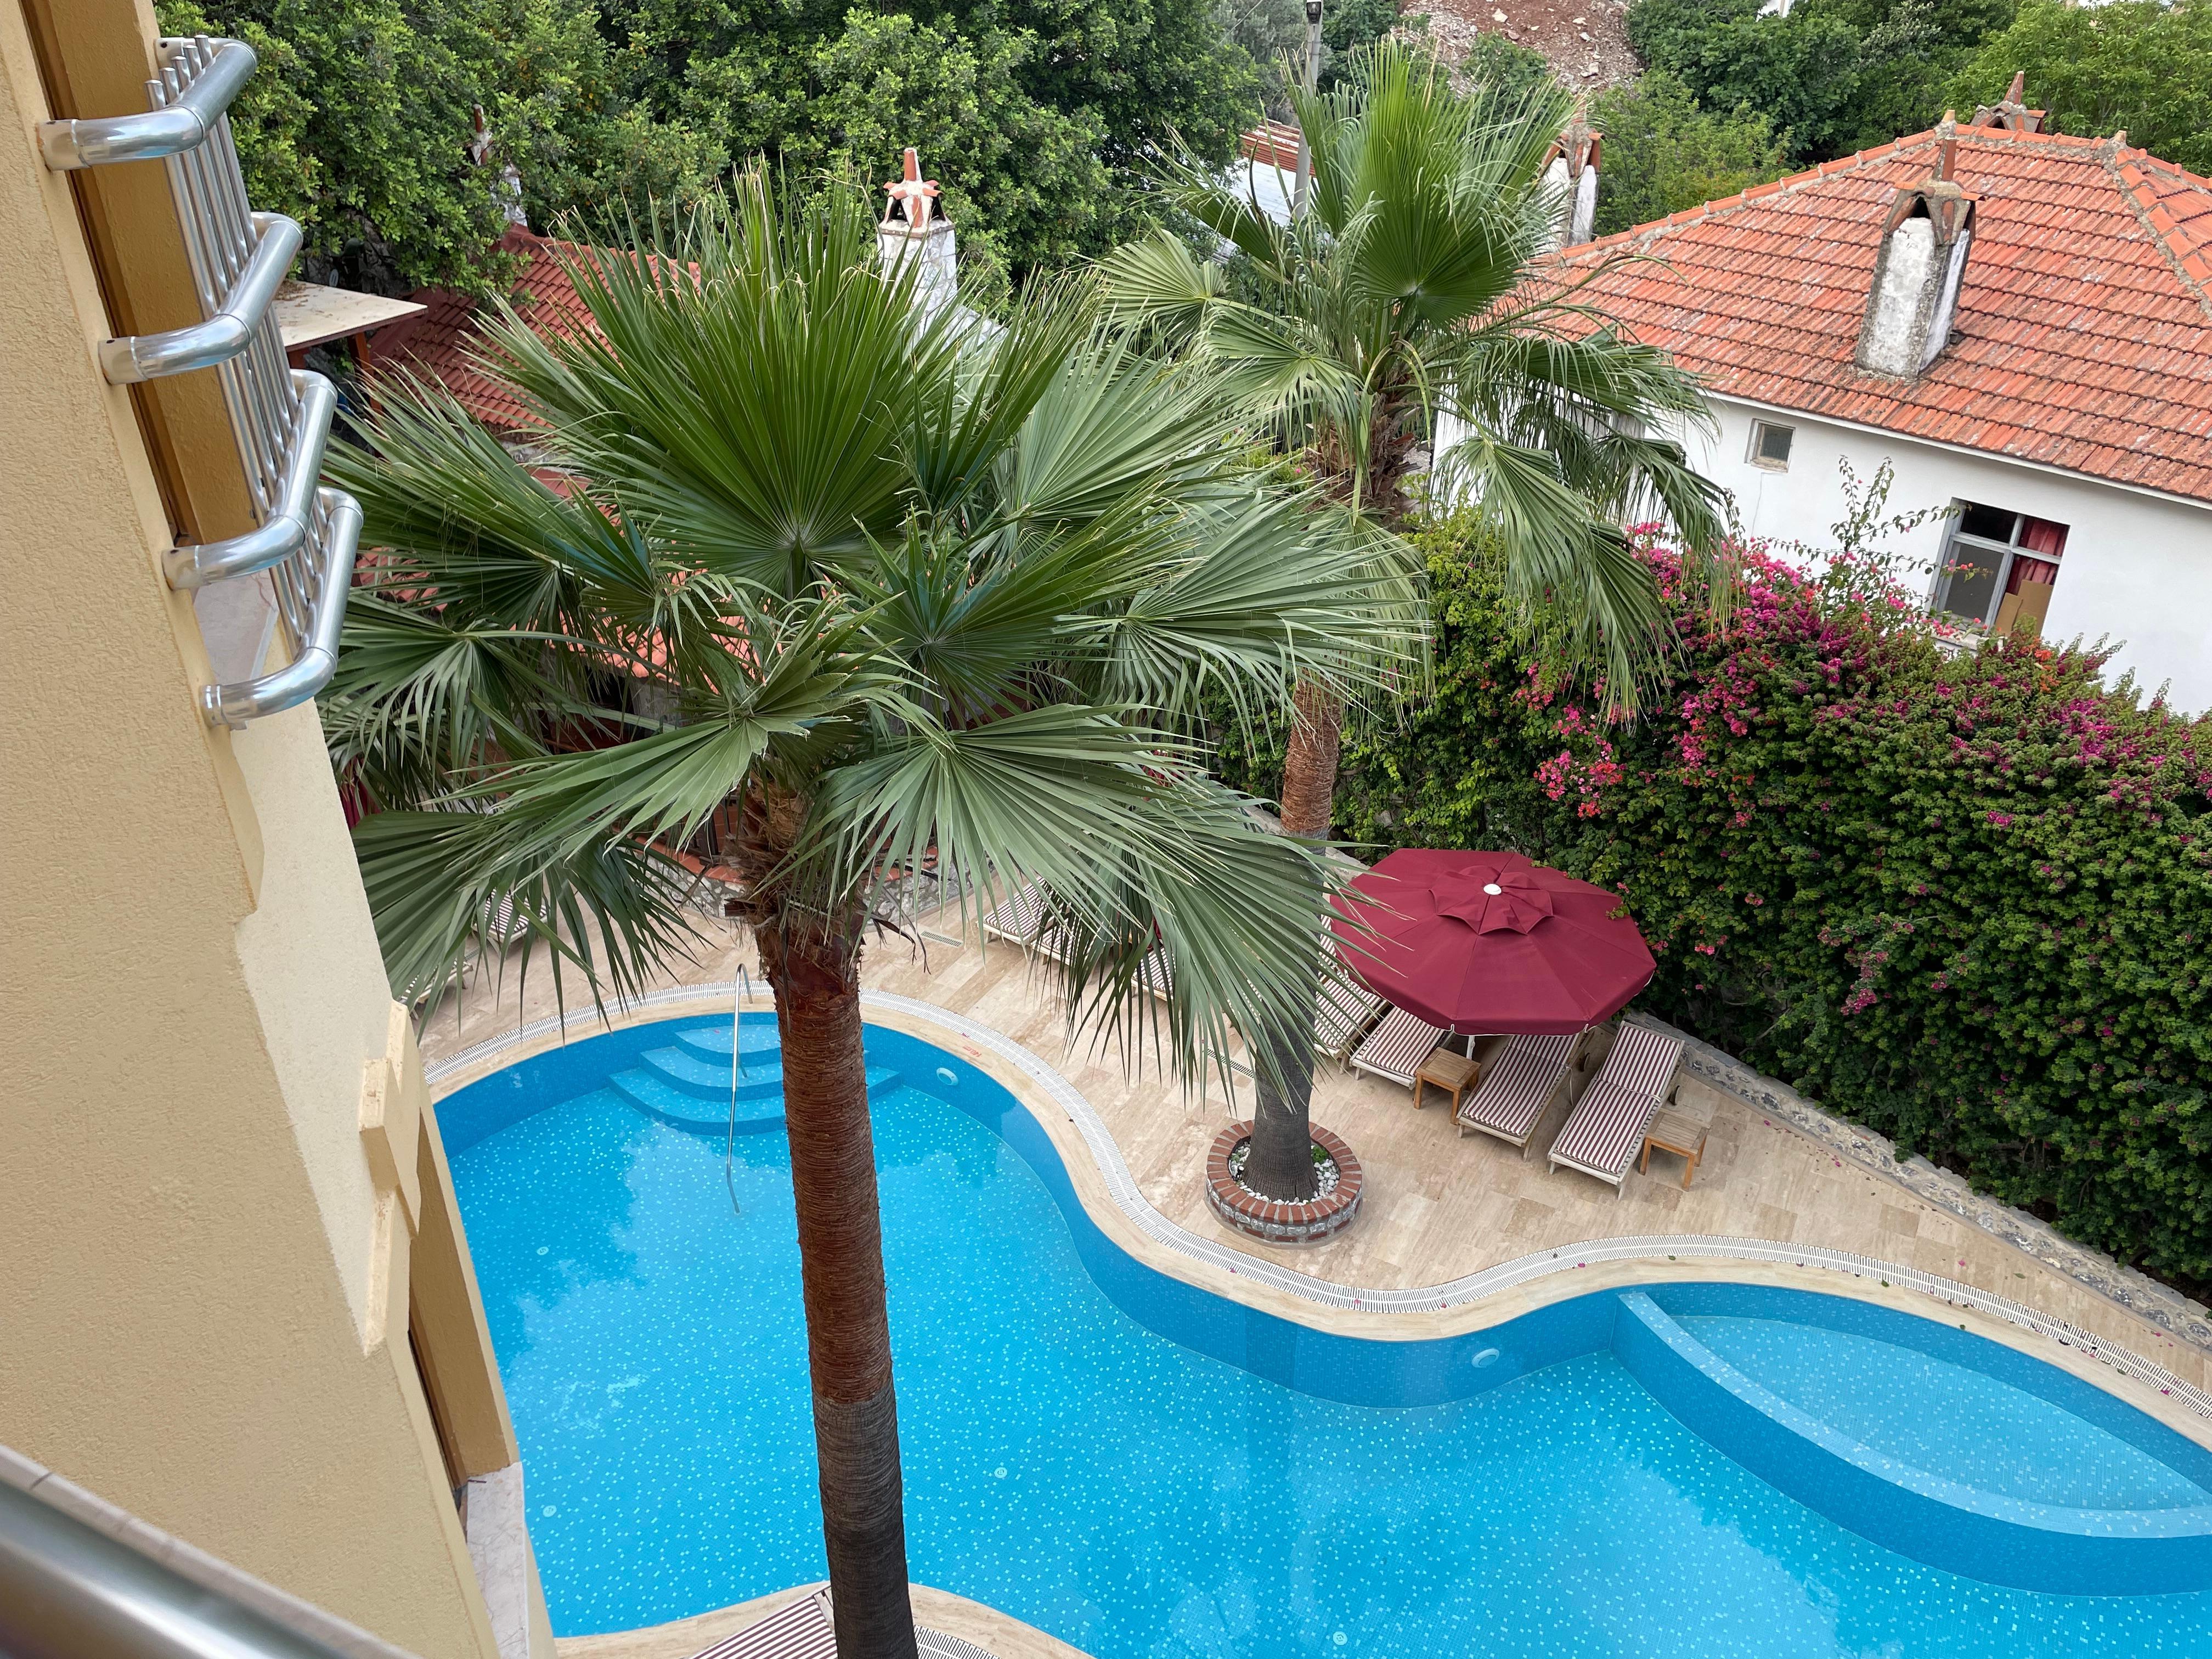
[911, 195]
[2011, 112]
[1578, 142]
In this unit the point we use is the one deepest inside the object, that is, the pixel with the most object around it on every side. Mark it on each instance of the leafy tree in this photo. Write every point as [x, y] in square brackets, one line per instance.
[1908, 51]
[1800, 72]
[1347, 26]
[1663, 154]
[1023, 180]
[1273, 34]
[917, 593]
[2134, 64]
[1035, 114]
[359, 120]
[1513, 73]
[1401, 294]
[1833, 76]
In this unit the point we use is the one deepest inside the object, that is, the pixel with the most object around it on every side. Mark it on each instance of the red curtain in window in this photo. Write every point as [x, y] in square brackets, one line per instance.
[2038, 536]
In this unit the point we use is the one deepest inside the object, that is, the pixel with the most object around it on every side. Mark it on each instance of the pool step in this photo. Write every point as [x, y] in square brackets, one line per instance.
[762, 1074]
[654, 1096]
[713, 1040]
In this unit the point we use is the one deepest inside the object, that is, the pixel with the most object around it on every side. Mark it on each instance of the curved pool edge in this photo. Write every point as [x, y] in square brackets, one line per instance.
[1981, 1534]
[1110, 1208]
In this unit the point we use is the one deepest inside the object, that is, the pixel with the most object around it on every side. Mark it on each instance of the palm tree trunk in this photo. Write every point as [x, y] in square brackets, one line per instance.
[1310, 763]
[813, 966]
[1280, 1165]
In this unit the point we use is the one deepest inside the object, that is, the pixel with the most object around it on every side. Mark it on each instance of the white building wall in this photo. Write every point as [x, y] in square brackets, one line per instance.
[2137, 567]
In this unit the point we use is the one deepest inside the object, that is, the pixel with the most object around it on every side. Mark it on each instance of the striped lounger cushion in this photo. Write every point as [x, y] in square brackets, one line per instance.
[800, 1631]
[1017, 918]
[1521, 1084]
[1398, 1047]
[1158, 974]
[803, 1630]
[1603, 1131]
[1345, 1012]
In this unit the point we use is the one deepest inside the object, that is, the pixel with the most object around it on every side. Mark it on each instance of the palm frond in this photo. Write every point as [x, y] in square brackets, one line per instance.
[744, 387]
[610, 906]
[1134, 848]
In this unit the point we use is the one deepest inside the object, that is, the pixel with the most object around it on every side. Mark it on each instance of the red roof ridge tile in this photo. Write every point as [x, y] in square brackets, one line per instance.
[1994, 137]
[2180, 247]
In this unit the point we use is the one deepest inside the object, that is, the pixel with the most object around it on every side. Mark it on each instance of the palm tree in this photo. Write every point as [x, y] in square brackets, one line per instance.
[1411, 300]
[910, 589]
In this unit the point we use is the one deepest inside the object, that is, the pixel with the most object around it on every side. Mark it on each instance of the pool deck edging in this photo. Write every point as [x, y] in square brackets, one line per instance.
[946, 1626]
[2139, 1293]
[1254, 1273]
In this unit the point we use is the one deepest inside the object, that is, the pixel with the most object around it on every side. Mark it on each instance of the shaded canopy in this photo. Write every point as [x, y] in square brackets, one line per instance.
[1490, 943]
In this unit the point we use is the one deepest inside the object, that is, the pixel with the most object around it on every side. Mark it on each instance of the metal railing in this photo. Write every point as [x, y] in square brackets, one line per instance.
[82, 1579]
[304, 535]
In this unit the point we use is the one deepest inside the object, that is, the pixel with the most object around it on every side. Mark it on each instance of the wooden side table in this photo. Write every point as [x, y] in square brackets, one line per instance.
[1455, 1075]
[1671, 1132]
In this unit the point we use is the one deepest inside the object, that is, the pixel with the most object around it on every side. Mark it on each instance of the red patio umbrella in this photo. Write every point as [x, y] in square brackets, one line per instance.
[1490, 943]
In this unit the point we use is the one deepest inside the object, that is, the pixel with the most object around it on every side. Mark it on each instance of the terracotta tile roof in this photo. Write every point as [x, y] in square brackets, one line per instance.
[1275, 142]
[445, 343]
[2083, 337]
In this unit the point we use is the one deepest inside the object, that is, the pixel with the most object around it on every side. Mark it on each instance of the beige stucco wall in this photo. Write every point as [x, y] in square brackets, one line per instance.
[190, 999]
[308, 953]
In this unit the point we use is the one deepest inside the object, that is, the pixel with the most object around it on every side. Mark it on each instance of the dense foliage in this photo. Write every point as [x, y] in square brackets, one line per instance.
[1663, 153]
[2141, 64]
[1035, 114]
[358, 121]
[1833, 76]
[1968, 901]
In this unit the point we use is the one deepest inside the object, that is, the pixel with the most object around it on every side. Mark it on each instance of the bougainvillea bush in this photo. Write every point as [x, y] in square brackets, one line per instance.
[1964, 899]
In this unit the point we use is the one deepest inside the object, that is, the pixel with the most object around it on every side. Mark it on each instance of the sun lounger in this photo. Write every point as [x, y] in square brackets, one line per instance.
[1525, 1081]
[1345, 1014]
[1016, 918]
[1397, 1047]
[801, 1630]
[1602, 1133]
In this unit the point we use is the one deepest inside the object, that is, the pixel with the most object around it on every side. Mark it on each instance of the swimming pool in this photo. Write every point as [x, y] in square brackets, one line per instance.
[1517, 1491]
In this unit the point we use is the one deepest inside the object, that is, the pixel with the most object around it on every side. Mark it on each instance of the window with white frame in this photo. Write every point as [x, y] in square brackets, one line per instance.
[1999, 566]
[1770, 446]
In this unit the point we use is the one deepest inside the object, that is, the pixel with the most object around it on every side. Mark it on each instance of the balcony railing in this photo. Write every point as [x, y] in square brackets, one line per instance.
[304, 535]
[80, 1578]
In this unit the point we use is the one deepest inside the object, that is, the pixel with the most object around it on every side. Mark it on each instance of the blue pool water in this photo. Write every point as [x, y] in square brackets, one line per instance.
[1129, 1493]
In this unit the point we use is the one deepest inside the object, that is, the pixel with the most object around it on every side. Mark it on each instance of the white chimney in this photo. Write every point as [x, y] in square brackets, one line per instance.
[1571, 168]
[1917, 273]
[911, 231]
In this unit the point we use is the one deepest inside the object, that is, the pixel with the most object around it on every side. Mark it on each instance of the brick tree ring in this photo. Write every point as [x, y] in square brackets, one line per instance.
[1270, 1218]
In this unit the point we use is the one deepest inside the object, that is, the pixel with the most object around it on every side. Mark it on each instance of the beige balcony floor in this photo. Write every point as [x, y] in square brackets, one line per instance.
[1438, 1206]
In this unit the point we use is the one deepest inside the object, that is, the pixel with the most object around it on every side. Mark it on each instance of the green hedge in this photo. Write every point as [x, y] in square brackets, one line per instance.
[1966, 902]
